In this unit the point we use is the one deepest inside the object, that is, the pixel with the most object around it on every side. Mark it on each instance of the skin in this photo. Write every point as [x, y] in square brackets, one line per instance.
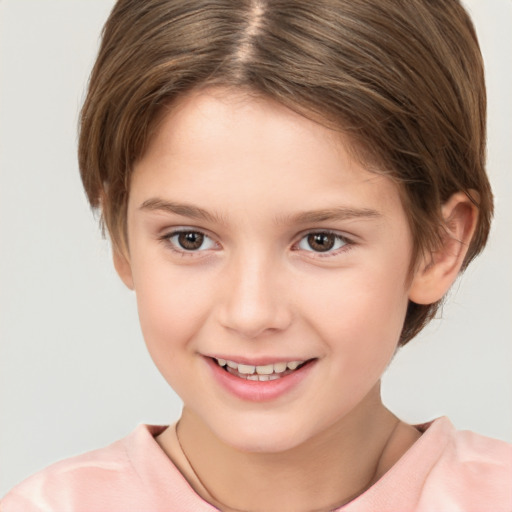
[256, 289]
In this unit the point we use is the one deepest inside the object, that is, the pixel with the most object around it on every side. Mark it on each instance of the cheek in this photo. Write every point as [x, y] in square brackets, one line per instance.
[171, 305]
[362, 309]
[360, 324]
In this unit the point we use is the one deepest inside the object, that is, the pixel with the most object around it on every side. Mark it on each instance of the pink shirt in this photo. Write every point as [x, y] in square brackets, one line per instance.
[444, 471]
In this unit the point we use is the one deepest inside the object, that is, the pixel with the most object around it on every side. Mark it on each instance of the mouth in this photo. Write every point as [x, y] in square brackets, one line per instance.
[261, 373]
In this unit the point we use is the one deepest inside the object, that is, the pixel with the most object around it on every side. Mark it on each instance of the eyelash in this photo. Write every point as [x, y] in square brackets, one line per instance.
[167, 240]
[347, 243]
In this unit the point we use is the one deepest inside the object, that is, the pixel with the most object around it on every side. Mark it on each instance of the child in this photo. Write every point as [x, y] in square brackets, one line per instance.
[290, 189]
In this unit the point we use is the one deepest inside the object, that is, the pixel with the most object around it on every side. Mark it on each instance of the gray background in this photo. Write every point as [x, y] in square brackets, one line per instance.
[74, 372]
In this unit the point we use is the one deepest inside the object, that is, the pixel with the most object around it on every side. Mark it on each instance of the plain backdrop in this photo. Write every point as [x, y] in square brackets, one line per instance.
[74, 372]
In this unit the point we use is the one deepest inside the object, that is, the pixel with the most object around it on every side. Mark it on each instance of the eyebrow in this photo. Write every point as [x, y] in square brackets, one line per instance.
[183, 209]
[328, 214]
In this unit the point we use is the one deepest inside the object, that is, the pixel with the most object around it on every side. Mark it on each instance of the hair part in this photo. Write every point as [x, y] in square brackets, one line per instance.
[402, 79]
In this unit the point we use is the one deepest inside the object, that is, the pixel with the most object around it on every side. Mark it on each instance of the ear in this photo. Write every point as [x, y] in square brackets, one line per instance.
[438, 270]
[123, 267]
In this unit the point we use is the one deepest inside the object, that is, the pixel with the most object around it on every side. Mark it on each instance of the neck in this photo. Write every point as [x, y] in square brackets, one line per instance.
[319, 475]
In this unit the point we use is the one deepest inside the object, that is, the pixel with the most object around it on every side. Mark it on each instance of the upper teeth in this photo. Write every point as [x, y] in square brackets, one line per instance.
[266, 369]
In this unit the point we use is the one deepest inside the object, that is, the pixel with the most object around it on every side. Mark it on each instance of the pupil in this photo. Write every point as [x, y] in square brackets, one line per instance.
[190, 240]
[321, 242]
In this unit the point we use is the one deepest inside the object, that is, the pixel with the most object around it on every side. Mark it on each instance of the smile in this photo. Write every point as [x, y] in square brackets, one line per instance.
[261, 373]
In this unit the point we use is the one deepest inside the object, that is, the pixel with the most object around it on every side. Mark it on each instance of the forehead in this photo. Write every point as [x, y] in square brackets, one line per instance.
[241, 119]
[217, 142]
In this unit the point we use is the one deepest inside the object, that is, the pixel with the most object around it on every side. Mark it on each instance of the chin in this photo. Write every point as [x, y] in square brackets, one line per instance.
[261, 437]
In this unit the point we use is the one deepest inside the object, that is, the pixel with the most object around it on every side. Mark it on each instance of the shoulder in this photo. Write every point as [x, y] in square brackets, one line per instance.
[104, 479]
[445, 470]
[472, 472]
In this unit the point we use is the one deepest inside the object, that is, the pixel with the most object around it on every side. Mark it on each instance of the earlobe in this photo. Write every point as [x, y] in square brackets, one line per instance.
[123, 268]
[438, 270]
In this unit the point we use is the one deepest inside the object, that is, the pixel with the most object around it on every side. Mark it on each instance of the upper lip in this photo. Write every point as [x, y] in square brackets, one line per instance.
[259, 361]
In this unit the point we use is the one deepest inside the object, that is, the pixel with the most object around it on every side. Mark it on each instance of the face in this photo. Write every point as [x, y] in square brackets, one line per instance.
[270, 269]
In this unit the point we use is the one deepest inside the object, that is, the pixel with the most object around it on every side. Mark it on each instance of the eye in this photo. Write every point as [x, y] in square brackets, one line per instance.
[190, 241]
[322, 241]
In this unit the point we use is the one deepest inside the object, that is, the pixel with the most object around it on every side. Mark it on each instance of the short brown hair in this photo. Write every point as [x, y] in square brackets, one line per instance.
[402, 78]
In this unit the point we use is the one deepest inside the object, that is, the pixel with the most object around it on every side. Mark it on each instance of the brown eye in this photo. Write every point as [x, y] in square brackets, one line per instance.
[190, 240]
[322, 241]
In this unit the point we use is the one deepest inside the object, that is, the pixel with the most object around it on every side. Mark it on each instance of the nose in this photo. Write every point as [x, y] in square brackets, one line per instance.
[255, 299]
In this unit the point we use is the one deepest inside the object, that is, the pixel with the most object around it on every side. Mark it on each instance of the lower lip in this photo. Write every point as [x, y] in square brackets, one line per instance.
[258, 391]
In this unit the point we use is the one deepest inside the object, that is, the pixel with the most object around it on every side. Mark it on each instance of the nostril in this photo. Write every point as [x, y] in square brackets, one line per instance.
[253, 302]
[252, 322]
